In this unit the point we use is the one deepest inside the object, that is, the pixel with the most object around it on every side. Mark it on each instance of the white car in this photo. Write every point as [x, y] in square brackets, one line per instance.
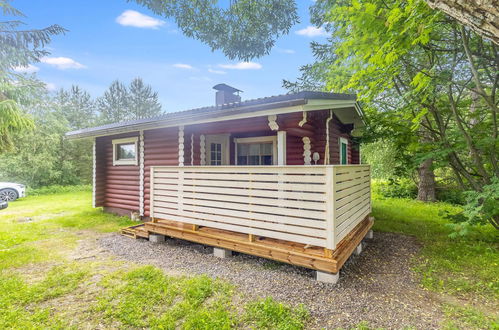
[10, 191]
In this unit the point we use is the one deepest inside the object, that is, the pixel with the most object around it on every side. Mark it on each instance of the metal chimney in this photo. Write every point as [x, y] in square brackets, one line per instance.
[226, 94]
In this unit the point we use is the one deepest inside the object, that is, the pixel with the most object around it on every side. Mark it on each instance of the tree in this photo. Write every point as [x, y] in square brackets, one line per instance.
[77, 107]
[42, 156]
[18, 48]
[120, 103]
[434, 81]
[113, 105]
[142, 101]
[245, 29]
[481, 16]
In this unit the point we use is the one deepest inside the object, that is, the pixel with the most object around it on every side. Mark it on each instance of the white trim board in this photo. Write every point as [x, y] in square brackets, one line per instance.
[118, 162]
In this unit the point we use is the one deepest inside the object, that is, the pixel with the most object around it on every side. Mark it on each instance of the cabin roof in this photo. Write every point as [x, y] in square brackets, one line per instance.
[300, 101]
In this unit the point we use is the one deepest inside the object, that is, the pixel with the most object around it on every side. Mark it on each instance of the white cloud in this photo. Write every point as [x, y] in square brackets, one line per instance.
[286, 51]
[136, 19]
[26, 69]
[200, 78]
[312, 31]
[62, 63]
[242, 66]
[50, 86]
[183, 66]
[216, 71]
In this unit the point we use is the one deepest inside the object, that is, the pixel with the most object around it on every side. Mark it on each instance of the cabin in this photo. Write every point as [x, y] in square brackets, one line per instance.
[277, 177]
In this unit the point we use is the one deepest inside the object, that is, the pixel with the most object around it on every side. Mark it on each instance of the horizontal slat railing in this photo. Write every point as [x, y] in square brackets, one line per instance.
[294, 203]
[351, 197]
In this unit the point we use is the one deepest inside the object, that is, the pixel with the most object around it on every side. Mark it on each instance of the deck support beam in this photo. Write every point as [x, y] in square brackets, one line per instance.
[324, 277]
[222, 253]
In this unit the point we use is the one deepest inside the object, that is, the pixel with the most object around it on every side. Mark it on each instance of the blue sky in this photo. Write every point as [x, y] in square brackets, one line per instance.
[115, 39]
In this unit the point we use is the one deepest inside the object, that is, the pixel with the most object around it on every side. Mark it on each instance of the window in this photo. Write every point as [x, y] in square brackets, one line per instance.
[125, 151]
[256, 151]
[343, 151]
[216, 154]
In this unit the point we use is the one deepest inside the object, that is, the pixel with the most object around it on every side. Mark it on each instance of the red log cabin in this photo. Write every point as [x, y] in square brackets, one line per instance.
[277, 177]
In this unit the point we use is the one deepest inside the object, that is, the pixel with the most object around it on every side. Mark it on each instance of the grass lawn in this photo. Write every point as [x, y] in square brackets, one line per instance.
[44, 283]
[465, 268]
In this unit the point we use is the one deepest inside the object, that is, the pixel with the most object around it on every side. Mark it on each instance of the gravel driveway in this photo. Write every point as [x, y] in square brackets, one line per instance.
[377, 286]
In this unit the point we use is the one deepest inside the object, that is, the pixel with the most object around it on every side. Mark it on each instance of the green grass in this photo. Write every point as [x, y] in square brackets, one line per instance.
[464, 265]
[41, 288]
[32, 228]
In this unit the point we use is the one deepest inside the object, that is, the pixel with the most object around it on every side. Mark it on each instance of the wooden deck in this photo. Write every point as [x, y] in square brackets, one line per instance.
[298, 254]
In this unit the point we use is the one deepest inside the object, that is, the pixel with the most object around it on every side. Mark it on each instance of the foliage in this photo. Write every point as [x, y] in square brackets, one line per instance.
[270, 314]
[386, 160]
[43, 156]
[465, 267]
[120, 103]
[399, 188]
[12, 121]
[245, 29]
[429, 84]
[480, 207]
[56, 189]
[18, 48]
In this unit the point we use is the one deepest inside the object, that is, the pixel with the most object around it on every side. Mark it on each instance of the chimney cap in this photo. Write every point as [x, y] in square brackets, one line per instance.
[227, 88]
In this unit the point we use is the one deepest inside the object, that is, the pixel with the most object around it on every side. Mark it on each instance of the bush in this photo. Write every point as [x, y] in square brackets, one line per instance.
[400, 188]
[56, 189]
[450, 195]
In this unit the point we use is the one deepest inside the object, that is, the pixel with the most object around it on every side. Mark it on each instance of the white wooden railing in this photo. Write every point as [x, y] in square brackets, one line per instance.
[316, 205]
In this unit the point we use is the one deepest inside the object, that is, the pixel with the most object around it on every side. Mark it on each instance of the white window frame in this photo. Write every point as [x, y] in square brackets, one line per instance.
[345, 141]
[222, 139]
[116, 142]
[258, 139]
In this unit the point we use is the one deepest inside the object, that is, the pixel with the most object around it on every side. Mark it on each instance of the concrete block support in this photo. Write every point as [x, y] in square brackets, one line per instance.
[370, 234]
[327, 277]
[358, 249]
[222, 253]
[156, 238]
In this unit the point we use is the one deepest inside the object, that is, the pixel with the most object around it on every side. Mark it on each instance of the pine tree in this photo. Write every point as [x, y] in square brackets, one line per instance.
[142, 101]
[113, 105]
[77, 107]
[17, 48]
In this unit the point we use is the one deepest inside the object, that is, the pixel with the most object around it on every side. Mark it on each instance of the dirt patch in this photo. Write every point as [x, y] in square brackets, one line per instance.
[378, 286]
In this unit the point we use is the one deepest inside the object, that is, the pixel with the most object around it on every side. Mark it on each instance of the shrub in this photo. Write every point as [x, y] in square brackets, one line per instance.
[56, 189]
[400, 188]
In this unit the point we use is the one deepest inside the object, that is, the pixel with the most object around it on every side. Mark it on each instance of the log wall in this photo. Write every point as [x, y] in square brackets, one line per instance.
[118, 187]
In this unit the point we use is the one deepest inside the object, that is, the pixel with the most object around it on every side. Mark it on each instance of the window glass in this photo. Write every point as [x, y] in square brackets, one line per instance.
[216, 154]
[255, 153]
[126, 151]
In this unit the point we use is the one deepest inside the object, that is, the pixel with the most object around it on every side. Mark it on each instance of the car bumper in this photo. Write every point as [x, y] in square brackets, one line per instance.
[22, 192]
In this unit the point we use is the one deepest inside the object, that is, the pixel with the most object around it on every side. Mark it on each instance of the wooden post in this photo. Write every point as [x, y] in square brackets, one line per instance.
[330, 208]
[141, 173]
[281, 148]
[151, 193]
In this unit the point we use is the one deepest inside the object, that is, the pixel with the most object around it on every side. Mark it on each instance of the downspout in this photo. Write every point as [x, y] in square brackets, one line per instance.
[326, 151]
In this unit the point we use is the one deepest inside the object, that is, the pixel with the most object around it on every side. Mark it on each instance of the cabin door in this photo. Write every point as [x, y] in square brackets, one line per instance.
[217, 149]
[343, 151]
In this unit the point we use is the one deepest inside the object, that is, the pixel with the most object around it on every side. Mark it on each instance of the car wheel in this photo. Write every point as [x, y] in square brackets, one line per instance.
[8, 195]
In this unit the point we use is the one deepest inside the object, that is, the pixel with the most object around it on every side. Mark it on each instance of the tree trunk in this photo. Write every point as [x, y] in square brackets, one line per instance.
[426, 187]
[480, 15]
